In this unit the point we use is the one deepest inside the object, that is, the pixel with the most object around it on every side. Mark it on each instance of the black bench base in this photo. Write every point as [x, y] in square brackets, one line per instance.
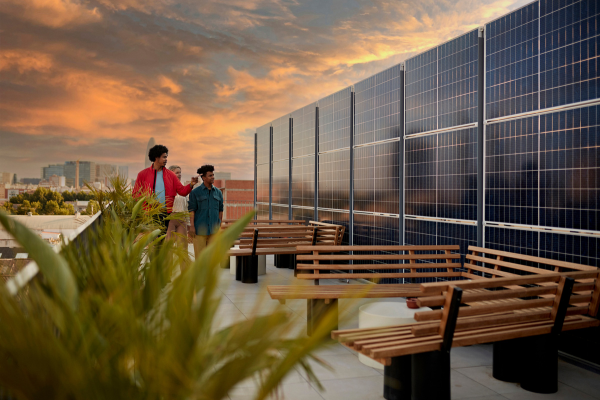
[246, 269]
[317, 311]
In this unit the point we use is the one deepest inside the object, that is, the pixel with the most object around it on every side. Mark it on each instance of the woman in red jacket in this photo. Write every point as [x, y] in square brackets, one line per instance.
[160, 180]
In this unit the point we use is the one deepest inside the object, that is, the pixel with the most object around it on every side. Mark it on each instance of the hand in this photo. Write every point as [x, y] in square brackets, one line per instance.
[192, 232]
[194, 180]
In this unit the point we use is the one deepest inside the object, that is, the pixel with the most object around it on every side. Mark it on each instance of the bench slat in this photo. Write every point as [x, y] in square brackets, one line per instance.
[357, 267]
[369, 257]
[385, 248]
[379, 275]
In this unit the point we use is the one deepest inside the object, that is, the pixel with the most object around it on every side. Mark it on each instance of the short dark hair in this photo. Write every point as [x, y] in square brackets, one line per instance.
[157, 151]
[204, 169]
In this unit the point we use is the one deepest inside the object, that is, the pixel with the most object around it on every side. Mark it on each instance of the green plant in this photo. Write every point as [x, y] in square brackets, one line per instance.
[101, 325]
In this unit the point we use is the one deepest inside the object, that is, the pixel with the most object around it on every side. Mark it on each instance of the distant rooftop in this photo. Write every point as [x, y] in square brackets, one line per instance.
[38, 222]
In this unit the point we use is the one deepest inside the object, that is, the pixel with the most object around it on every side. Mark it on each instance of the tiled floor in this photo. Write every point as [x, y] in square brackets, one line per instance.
[349, 379]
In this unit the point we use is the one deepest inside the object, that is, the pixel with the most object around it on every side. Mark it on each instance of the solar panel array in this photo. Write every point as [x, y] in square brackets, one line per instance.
[417, 132]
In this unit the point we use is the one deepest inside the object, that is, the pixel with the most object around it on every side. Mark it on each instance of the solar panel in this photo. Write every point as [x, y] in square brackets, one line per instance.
[304, 131]
[334, 121]
[263, 146]
[377, 107]
[280, 212]
[512, 52]
[281, 138]
[307, 214]
[570, 169]
[281, 182]
[511, 176]
[303, 181]
[421, 92]
[262, 210]
[377, 178]
[334, 180]
[262, 183]
[441, 175]
[569, 36]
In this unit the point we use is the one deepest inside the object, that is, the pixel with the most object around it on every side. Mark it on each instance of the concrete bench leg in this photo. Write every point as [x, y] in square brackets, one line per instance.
[541, 364]
[249, 269]
[430, 376]
[397, 379]
[317, 310]
[509, 358]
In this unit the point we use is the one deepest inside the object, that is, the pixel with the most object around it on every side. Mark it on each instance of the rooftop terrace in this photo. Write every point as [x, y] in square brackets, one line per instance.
[349, 379]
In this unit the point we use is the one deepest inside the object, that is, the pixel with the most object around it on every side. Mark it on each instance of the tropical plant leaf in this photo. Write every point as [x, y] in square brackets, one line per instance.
[53, 267]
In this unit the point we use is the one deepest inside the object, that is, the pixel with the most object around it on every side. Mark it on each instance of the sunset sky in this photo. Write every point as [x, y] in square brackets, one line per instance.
[94, 80]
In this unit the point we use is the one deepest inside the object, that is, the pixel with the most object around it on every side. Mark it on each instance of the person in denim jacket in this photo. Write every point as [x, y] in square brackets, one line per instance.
[206, 209]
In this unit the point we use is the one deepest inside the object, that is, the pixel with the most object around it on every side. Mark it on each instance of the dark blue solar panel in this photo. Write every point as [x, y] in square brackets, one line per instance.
[512, 51]
[262, 183]
[569, 38]
[376, 178]
[511, 176]
[334, 180]
[303, 139]
[373, 230]
[281, 184]
[307, 214]
[570, 248]
[421, 92]
[512, 240]
[570, 169]
[303, 181]
[334, 121]
[441, 175]
[420, 176]
[457, 80]
[263, 146]
[377, 107]
[281, 138]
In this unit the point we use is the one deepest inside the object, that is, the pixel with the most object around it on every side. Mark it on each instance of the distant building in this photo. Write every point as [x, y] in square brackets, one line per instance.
[30, 181]
[87, 173]
[238, 197]
[6, 177]
[53, 169]
[151, 144]
[222, 176]
[14, 180]
[104, 172]
[124, 171]
[57, 180]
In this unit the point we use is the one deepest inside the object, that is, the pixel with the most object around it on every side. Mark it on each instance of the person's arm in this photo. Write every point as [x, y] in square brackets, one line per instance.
[183, 190]
[221, 209]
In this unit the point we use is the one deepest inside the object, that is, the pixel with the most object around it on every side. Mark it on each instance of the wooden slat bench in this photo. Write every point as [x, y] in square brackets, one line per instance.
[322, 299]
[281, 241]
[525, 323]
[261, 222]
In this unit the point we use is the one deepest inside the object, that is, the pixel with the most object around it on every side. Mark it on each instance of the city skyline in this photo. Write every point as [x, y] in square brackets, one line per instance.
[99, 78]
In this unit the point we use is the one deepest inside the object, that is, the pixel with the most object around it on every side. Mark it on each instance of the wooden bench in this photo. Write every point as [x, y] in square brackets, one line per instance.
[524, 315]
[419, 262]
[281, 241]
[260, 222]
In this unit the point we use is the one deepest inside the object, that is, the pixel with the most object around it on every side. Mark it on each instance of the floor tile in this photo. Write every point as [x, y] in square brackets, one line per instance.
[564, 393]
[462, 387]
[290, 391]
[483, 375]
[472, 356]
[341, 366]
[363, 388]
[579, 378]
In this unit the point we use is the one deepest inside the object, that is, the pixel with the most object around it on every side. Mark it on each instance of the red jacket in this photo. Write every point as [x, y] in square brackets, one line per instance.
[146, 182]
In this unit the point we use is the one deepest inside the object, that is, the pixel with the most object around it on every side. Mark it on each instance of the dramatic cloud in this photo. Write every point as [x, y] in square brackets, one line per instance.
[95, 79]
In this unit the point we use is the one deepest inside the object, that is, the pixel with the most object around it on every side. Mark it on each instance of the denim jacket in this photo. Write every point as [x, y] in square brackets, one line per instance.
[206, 205]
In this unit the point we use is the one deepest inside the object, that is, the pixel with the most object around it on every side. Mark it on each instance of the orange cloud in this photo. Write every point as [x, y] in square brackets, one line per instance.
[52, 13]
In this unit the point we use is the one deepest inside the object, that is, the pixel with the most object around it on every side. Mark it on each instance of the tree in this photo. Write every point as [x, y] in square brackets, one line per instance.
[7, 207]
[28, 207]
[43, 201]
[92, 208]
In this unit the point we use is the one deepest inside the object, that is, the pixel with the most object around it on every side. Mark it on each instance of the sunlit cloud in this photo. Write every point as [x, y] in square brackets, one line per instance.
[98, 78]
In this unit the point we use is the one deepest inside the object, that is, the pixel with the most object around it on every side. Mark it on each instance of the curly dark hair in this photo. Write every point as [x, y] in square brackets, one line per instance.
[204, 169]
[157, 151]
